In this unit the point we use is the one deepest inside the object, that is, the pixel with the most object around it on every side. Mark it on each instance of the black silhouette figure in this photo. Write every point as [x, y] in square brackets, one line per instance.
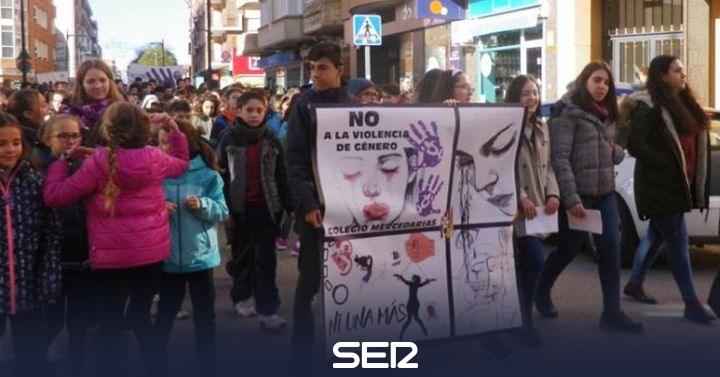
[365, 263]
[413, 304]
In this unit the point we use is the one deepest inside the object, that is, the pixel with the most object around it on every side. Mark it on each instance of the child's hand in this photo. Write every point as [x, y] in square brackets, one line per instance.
[164, 120]
[192, 202]
[171, 207]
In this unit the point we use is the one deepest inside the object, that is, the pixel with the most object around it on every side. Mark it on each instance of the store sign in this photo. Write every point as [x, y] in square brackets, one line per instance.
[440, 9]
[246, 65]
[482, 8]
[282, 58]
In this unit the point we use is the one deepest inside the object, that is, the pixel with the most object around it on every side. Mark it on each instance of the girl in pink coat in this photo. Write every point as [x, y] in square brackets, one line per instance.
[128, 228]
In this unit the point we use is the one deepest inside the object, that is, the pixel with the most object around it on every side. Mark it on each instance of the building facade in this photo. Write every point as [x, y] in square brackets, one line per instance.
[78, 31]
[39, 37]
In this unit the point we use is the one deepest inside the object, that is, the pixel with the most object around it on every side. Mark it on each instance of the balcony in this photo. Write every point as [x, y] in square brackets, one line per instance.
[322, 16]
[361, 6]
[285, 32]
[247, 4]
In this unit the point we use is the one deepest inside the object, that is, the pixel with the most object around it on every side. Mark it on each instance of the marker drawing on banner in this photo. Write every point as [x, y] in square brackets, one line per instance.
[484, 177]
[485, 292]
[542, 223]
[592, 222]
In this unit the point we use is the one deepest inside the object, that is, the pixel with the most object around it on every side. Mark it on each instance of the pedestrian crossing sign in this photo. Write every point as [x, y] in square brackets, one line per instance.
[367, 30]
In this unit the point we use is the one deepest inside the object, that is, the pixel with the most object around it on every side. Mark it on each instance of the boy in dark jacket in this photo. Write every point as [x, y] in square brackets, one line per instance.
[326, 68]
[257, 193]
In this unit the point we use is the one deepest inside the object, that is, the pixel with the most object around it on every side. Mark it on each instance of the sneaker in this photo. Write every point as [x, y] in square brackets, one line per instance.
[638, 293]
[545, 306]
[182, 314]
[245, 309]
[531, 337]
[695, 311]
[295, 249]
[492, 346]
[272, 322]
[281, 244]
[619, 321]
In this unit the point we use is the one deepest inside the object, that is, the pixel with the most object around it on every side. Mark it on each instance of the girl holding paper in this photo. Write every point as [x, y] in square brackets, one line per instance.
[584, 155]
[538, 191]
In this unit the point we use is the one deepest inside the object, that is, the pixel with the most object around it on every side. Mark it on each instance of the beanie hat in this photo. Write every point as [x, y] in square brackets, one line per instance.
[359, 84]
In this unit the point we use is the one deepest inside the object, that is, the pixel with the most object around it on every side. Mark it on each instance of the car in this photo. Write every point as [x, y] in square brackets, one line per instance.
[703, 226]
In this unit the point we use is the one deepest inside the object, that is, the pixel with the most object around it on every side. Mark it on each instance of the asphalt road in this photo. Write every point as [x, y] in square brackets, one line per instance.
[574, 345]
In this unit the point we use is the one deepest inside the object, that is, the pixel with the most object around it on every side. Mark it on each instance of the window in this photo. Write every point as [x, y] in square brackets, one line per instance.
[644, 16]
[40, 17]
[41, 50]
[7, 9]
[8, 41]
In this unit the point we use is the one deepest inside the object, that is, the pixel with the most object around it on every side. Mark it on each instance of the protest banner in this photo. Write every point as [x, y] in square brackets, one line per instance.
[419, 203]
[160, 74]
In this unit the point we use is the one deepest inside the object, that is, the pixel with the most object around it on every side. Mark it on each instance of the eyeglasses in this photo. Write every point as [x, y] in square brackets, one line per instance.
[369, 96]
[65, 136]
[465, 87]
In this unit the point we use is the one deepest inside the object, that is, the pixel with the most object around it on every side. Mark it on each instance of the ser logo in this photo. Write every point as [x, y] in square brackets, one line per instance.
[366, 354]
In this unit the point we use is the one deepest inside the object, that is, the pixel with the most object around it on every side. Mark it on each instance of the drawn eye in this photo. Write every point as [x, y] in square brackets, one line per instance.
[351, 176]
[499, 143]
[390, 166]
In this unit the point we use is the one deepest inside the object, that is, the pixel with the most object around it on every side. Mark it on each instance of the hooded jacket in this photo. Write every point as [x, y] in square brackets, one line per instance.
[138, 233]
[194, 234]
[30, 272]
[660, 181]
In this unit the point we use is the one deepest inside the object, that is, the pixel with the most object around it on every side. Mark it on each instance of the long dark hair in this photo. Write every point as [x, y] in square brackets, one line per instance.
[22, 101]
[197, 145]
[686, 112]
[514, 93]
[582, 97]
[437, 85]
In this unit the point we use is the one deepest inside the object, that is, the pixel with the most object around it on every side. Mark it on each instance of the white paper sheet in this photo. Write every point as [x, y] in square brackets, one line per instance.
[542, 223]
[592, 222]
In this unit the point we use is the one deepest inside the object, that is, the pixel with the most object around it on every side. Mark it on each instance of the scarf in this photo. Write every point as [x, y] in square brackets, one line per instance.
[251, 134]
[89, 114]
[600, 110]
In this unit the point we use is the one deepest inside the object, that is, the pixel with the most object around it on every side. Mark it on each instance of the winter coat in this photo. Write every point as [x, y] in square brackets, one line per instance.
[194, 234]
[583, 153]
[536, 177]
[273, 178]
[89, 115]
[203, 126]
[30, 271]
[138, 233]
[75, 254]
[301, 138]
[222, 123]
[661, 182]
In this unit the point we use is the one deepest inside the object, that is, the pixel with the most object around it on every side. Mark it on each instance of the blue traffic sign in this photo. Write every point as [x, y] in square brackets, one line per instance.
[367, 30]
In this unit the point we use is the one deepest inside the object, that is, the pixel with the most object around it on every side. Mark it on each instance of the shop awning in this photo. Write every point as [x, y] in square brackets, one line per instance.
[464, 31]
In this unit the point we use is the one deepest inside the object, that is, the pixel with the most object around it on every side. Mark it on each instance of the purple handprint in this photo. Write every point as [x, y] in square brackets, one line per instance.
[427, 143]
[427, 195]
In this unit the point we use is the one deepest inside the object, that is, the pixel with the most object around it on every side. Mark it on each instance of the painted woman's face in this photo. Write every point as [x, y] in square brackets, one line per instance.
[374, 185]
[480, 174]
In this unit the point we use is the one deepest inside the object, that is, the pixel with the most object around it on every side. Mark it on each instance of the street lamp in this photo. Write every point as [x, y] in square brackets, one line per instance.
[23, 64]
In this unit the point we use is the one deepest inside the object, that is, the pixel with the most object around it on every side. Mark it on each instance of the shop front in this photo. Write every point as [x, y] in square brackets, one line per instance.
[508, 39]
[282, 70]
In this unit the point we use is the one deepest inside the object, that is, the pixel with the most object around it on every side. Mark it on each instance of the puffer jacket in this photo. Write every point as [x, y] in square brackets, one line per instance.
[660, 181]
[583, 153]
[139, 232]
[30, 271]
[194, 234]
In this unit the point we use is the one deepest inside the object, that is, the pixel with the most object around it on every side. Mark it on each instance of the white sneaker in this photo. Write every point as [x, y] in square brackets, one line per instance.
[245, 309]
[182, 314]
[272, 322]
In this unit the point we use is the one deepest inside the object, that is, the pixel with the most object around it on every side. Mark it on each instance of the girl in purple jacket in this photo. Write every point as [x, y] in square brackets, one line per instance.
[128, 229]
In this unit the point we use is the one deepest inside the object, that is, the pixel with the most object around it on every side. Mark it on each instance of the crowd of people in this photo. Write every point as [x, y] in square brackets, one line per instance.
[115, 194]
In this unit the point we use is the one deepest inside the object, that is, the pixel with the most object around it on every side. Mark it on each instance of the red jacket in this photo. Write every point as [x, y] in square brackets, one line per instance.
[138, 234]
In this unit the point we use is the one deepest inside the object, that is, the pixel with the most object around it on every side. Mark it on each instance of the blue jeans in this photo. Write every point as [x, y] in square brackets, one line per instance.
[672, 230]
[530, 264]
[608, 244]
[645, 256]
